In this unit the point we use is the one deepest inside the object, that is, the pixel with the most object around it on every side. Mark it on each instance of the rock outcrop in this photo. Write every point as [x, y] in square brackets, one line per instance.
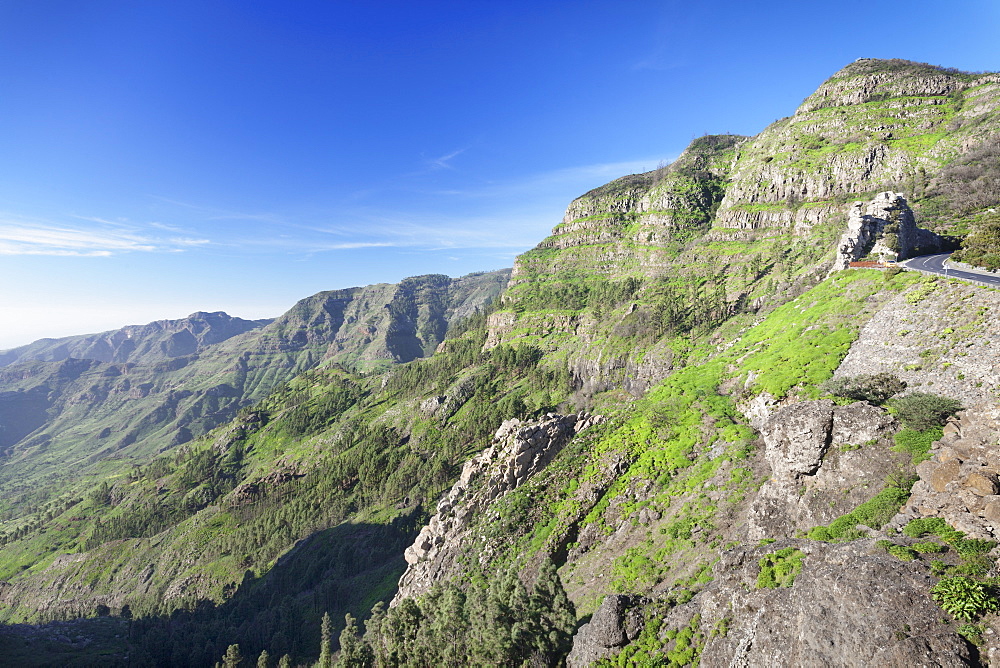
[959, 483]
[615, 624]
[884, 228]
[851, 605]
[825, 460]
[519, 450]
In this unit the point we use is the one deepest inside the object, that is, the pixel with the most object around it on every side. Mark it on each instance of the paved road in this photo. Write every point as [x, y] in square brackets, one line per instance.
[935, 264]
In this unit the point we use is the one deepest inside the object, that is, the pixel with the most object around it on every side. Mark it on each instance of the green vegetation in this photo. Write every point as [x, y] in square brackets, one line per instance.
[917, 443]
[260, 536]
[873, 513]
[981, 247]
[494, 621]
[779, 569]
[921, 411]
[873, 388]
[657, 646]
[965, 598]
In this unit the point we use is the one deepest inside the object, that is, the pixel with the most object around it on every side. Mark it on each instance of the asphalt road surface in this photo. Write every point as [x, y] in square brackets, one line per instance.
[935, 264]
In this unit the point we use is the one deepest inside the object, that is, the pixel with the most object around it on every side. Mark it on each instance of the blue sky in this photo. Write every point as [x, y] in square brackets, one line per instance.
[160, 158]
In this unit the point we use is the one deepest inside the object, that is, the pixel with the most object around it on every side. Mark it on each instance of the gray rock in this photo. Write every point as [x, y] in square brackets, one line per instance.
[824, 461]
[613, 625]
[884, 228]
[517, 452]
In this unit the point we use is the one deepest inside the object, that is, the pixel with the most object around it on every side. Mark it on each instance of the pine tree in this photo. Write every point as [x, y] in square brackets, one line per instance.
[354, 652]
[326, 642]
[233, 657]
[553, 613]
[264, 660]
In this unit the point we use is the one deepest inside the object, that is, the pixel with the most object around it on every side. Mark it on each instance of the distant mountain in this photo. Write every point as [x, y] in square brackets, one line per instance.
[68, 404]
[163, 339]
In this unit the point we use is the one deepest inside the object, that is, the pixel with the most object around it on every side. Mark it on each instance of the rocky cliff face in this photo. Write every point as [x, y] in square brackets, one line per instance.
[519, 450]
[825, 460]
[959, 482]
[872, 126]
[636, 224]
[758, 219]
[851, 605]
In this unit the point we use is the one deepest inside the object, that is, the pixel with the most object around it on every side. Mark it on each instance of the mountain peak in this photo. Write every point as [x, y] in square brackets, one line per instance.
[874, 79]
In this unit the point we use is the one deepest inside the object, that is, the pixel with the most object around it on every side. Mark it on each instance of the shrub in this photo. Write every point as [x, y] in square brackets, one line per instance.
[779, 569]
[964, 598]
[874, 513]
[874, 388]
[902, 552]
[970, 547]
[916, 443]
[922, 410]
[926, 525]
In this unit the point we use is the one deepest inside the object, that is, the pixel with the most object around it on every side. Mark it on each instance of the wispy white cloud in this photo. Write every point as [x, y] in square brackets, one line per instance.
[443, 161]
[103, 239]
[558, 180]
[520, 212]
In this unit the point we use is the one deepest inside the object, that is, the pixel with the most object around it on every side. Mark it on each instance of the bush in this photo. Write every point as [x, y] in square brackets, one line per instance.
[779, 569]
[926, 525]
[874, 388]
[922, 410]
[902, 552]
[916, 443]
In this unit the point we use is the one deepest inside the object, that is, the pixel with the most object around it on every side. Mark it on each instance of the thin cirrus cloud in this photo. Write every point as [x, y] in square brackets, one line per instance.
[444, 162]
[53, 239]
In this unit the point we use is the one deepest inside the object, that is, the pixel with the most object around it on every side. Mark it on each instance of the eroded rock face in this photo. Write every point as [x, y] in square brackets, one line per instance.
[851, 605]
[519, 450]
[825, 460]
[883, 228]
[960, 482]
[797, 437]
[616, 623]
